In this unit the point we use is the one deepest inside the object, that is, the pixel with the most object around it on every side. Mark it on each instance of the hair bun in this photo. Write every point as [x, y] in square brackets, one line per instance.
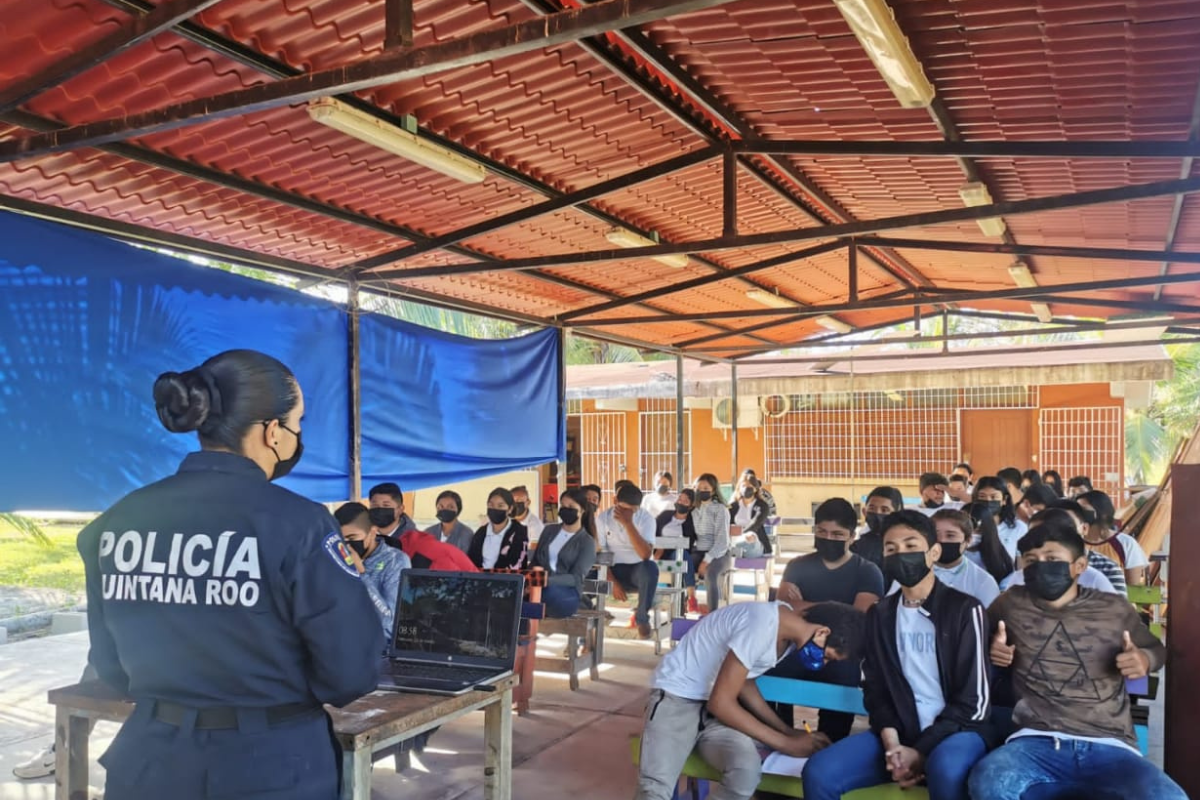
[183, 401]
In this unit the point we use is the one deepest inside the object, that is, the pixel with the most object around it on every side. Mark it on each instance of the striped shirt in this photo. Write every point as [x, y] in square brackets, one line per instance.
[711, 521]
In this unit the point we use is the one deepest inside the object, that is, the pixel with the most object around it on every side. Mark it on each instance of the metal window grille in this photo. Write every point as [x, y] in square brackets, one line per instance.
[658, 438]
[1084, 441]
[981, 397]
[574, 407]
[602, 449]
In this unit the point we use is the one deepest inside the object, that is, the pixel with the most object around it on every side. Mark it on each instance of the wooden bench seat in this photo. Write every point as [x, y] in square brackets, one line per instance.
[584, 628]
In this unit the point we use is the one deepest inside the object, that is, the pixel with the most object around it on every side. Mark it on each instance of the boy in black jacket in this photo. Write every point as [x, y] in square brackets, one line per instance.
[925, 681]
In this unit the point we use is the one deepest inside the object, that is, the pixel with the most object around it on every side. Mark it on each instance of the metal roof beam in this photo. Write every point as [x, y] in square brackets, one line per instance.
[1090, 253]
[1185, 170]
[138, 29]
[961, 149]
[1055, 202]
[387, 67]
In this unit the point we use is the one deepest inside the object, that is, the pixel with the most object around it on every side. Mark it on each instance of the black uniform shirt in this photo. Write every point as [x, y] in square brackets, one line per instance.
[215, 587]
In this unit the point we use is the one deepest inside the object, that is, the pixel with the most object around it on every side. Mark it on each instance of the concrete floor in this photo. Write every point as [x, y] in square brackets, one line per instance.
[572, 744]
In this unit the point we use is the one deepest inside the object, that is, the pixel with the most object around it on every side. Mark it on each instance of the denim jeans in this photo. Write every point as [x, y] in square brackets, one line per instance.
[1046, 768]
[642, 578]
[858, 762]
[560, 600]
[834, 724]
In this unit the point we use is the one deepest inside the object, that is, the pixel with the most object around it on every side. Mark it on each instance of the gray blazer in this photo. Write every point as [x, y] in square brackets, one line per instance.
[460, 535]
[575, 560]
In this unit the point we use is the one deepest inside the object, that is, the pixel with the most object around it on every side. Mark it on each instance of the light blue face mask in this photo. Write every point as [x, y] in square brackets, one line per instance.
[811, 655]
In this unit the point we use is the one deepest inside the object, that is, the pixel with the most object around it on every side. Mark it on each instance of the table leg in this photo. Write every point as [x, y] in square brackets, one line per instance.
[70, 755]
[356, 774]
[497, 744]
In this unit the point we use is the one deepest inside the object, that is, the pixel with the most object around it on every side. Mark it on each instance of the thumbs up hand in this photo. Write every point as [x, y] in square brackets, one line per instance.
[1002, 651]
[1132, 662]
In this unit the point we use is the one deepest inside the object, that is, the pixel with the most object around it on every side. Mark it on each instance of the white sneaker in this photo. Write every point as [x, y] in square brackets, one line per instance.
[39, 766]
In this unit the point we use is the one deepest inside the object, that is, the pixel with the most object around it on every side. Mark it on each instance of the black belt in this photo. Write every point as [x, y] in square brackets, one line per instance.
[215, 719]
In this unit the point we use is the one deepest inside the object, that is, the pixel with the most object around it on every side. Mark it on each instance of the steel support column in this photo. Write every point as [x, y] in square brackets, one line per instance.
[729, 207]
[853, 271]
[680, 422]
[562, 416]
[355, 387]
[733, 413]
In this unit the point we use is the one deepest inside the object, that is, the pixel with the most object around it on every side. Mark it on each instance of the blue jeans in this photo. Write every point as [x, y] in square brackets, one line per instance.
[561, 601]
[642, 578]
[858, 762]
[1043, 768]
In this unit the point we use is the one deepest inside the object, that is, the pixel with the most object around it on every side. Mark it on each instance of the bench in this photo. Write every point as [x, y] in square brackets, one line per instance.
[763, 568]
[585, 627]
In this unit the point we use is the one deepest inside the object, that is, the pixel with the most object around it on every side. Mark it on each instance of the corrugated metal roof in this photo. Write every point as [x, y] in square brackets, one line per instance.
[565, 119]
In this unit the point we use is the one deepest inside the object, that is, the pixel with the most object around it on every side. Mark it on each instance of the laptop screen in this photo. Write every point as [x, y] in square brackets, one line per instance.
[461, 617]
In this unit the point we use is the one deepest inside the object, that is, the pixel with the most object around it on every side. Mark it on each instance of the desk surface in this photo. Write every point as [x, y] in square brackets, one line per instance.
[356, 725]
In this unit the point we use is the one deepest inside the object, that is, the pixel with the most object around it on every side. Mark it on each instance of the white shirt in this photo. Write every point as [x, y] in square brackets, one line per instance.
[491, 544]
[916, 642]
[748, 630]
[744, 514]
[673, 529]
[1011, 534]
[968, 578]
[533, 525]
[1135, 556]
[556, 546]
[615, 539]
[951, 505]
[1091, 578]
[656, 503]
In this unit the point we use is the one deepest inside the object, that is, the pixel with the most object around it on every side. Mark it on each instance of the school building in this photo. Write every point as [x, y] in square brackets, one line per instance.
[820, 429]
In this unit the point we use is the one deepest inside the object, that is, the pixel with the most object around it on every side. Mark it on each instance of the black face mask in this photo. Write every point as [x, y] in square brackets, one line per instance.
[875, 522]
[569, 516]
[447, 515]
[497, 516]
[704, 497]
[830, 549]
[680, 508]
[594, 507]
[518, 509]
[906, 569]
[1049, 580]
[933, 504]
[664, 489]
[382, 518]
[994, 506]
[951, 552]
[358, 546]
[285, 465]
[747, 491]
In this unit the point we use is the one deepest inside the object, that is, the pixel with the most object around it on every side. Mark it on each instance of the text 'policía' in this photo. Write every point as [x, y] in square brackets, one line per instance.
[192, 569]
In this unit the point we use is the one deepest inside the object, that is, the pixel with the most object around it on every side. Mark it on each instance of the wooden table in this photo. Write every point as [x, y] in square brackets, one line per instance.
[377, 721]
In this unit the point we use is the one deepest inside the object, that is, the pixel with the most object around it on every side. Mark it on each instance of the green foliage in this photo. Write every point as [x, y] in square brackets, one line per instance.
[26, 527]
[1152, 436]
[54, 564]
[1147, 448]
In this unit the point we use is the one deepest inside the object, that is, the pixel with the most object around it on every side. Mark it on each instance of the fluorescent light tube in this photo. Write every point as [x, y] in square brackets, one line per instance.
[1021, 276]
[976, 194]
[832, 324]
[623, 237]
[1042, 312]
[366, 128]
[770, 299]
[874, 25]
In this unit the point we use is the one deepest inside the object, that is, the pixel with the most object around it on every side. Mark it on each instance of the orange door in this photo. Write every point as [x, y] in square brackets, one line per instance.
[996, 438]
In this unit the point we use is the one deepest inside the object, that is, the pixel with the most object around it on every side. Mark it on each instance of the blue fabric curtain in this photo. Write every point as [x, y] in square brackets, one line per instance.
[438, 408]
[87, 323]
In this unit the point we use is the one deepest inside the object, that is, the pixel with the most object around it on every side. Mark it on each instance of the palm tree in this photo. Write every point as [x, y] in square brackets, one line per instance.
[26, 526]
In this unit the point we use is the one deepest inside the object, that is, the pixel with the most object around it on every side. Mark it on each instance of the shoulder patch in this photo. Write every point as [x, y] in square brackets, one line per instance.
[336, 547]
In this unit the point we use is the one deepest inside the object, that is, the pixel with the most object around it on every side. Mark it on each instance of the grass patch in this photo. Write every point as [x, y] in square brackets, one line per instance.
[26, 563]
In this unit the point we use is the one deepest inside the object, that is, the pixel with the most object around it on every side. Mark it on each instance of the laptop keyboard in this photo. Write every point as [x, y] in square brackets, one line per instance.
[441, 672]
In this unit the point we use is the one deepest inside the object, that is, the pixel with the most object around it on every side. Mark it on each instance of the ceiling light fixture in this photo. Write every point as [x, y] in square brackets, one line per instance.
[768, 298]
[874, 25]
[362, 126]
[833, 324]
[976, 194]
[623, 237]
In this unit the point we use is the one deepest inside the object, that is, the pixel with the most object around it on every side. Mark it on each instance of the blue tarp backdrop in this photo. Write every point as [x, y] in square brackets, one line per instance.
[87, 323]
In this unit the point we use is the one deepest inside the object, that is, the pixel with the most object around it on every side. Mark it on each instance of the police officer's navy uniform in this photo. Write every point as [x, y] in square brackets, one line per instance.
[230, 610]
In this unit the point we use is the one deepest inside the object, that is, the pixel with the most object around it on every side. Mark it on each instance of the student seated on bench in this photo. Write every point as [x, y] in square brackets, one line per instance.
[627, 531]
[1071, 650]
[925, 680]
[882, 500]
[704, 696]
[567, 550]
[380, 566]
[830, 574]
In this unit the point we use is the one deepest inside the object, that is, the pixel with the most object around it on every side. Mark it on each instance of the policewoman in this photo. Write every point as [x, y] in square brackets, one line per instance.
[227, 607]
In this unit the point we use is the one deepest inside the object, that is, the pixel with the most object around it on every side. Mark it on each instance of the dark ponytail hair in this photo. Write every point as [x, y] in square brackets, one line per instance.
[225, 396]
[992, 553]
[586, 517]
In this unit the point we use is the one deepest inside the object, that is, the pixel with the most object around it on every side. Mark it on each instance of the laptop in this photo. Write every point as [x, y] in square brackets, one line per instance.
[453, 631]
